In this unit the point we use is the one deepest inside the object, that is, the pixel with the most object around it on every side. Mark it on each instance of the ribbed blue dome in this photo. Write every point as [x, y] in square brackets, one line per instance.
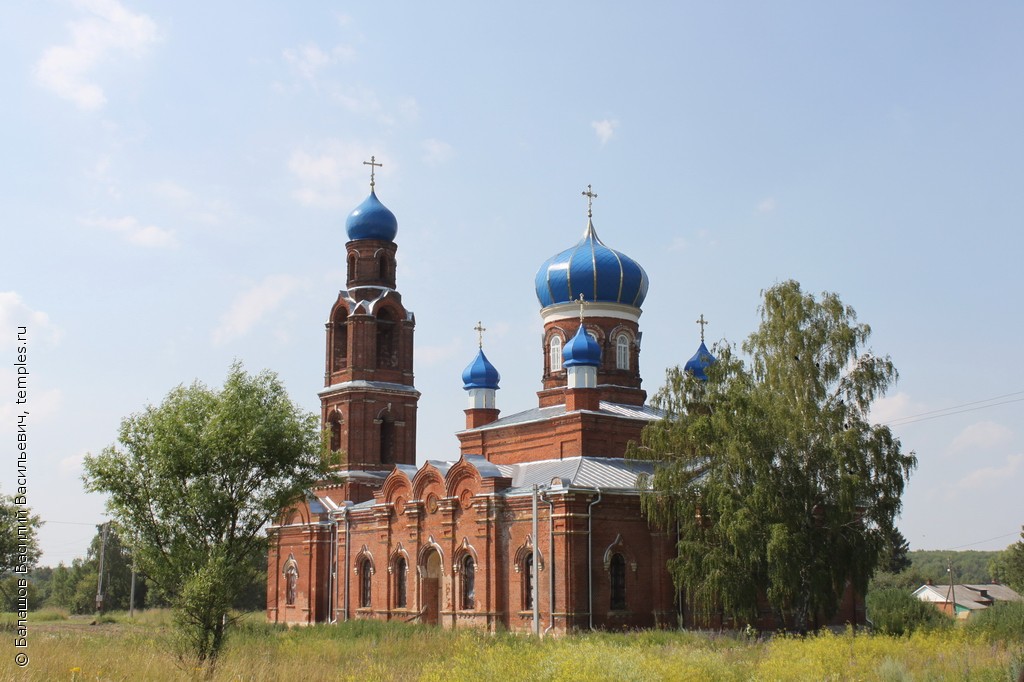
[700, 361]
[581, 350]
[371, 220]
[480, 373]
[590, 268]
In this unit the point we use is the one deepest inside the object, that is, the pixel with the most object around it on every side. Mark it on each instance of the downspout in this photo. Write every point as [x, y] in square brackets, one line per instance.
[551, 561]
[332, 600]
[590, 556]
[533, 568]
[348, 545]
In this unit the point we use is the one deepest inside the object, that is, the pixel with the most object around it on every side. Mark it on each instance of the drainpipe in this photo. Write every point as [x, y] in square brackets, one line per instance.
[332, 598]
[533, 568]
[551, 561]
[348, 546]
[590, 555]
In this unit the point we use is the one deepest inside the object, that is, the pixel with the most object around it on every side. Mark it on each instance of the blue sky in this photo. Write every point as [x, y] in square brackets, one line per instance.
[177, 176]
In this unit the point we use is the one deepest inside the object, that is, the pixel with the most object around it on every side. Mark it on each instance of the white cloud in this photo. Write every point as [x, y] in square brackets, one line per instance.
[67, 70]
[678, 244]
[894, 408]
[981, 436]
[327, 176]
[309, 60]
[15, 313]
[986, 477]
[604, 129]
[436, 152]
[149, 236]
[766, 205]
[193, 207]
[253, 305]
[71, 466]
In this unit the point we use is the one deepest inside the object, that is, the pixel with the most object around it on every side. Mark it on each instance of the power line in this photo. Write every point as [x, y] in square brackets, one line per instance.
[980, 542]
[956, 409]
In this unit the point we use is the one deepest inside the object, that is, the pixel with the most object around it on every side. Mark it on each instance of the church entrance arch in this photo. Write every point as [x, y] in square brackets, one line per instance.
[430, 587]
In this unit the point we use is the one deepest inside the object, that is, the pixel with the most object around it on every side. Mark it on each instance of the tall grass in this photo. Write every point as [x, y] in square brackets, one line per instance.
[137, 649]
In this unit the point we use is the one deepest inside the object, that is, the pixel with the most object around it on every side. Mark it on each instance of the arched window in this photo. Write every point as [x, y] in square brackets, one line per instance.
[401, 575]
[365, 583]
[387, 439]
[555, 359]
[468, 582]
[528, 582]
[335, 423]
[617, 568]
[622, 352]
[352, 260]
[339, 349]
[383, 267]
[386, 355]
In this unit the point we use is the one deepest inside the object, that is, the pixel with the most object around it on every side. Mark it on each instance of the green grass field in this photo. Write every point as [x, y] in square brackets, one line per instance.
[120, 648]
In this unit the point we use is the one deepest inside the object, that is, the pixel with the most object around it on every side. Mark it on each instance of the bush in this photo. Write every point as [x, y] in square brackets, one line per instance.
[897, 612]
[1003, 621]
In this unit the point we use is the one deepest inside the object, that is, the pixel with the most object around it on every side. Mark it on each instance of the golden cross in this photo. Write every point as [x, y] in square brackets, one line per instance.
[590, 195]
[480, 329]
[372, 163]
[582, 301]
[702, 322]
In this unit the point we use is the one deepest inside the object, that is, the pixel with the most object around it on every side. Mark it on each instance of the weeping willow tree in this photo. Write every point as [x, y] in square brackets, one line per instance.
[778, 483]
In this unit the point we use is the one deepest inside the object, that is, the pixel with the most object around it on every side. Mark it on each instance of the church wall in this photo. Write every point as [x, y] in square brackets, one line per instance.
[570, 435]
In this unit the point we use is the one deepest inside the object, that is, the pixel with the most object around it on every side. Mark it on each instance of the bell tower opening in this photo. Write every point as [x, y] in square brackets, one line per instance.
[339, 341]
[386, 355]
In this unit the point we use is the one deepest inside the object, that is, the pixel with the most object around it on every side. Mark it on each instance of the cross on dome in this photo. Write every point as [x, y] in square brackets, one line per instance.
[702, 322]
[480, 329]
[372, 163]
[582, 301]
[590, 195]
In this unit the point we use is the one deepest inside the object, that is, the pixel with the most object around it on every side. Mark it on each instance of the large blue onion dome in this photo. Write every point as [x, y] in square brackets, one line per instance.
[700, 361]
[581, 350]
[480, 373]
[601, 274]
[371, 220]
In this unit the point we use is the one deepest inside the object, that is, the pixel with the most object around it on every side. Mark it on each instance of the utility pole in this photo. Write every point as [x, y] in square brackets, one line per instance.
[951, 594]
[99, 582]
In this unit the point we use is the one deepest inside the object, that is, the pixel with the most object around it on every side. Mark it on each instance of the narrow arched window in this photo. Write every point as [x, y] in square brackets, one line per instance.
[365, 583]
[622, 352]
[555, 360]
[617, 568]
[335, 423]
[468, 582]
[382, 271]
[386, 355]
[339, 342]
[351, 266]
[387, 439]
[528, 582]
[401, 574]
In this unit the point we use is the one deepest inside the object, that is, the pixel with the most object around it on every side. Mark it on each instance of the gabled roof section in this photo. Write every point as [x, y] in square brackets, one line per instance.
[606, 473]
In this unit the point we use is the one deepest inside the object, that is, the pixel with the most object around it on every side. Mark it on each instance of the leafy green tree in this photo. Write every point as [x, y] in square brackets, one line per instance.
[969, 566]
[777, 481]
[19, 542]
[19, 548]
[1008, 566]
[193, 482]
[898, 612]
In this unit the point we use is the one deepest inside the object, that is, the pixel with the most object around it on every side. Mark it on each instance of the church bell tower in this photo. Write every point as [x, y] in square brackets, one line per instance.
[369, 401]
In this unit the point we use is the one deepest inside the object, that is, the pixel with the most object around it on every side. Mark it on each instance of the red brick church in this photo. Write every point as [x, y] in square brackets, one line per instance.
[536, 524]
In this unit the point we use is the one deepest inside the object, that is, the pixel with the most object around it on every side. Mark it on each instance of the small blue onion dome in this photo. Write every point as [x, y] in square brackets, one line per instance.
[371, 220]
[590, 268]
[480, 373]
[581, 350]
[700, 361]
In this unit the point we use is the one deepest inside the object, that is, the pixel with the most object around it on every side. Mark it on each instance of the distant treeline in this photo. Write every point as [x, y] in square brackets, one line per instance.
[968, 566]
